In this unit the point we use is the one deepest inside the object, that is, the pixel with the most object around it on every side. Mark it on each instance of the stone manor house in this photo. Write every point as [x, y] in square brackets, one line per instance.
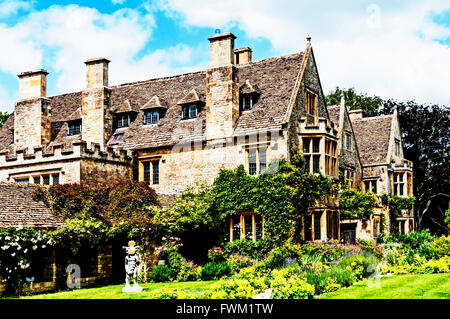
[172, 131]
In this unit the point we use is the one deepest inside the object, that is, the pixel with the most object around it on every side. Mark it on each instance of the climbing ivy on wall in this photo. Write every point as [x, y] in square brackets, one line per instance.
[353, 203]
[282, 194]
[396, 204]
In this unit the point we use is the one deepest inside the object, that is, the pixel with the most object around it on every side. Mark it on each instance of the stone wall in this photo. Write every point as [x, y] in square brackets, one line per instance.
[94, 171]
[310, 80]
[182, 165]
[74, 164]
[104, 273]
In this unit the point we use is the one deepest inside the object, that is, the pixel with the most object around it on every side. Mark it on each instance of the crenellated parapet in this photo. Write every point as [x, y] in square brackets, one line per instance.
[65, 152]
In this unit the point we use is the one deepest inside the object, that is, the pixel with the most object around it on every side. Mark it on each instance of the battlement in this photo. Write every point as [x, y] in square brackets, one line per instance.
[65, 151]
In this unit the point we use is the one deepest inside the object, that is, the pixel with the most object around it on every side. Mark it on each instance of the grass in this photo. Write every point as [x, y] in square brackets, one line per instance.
[115, 291]
[428, 286]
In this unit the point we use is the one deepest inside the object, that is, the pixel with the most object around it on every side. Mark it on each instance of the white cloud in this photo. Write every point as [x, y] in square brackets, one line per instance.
[61, 38]
[388, 48]
[117, 1]
[10, 7]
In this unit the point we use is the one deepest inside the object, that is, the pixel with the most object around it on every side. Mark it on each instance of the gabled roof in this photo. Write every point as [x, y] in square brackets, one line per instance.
[154, 103]
[191, 97]
[373, 136]
[75, 115]
[17, 207]
[334, 114]
[248, 88]
[274, 77]
[126, 107]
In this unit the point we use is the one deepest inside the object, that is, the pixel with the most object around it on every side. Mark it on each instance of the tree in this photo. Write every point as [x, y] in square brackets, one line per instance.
[3, 117]
[369, 105]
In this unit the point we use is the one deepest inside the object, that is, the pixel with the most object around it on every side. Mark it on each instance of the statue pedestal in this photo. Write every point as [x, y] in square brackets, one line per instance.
[132, 289]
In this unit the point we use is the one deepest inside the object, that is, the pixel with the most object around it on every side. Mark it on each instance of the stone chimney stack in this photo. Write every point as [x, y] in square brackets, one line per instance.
[221, 49]
[32, 118]
[355, 115]
[32, 84]
[222, 88]
[97, 72]
[97, 117]
[242, 55]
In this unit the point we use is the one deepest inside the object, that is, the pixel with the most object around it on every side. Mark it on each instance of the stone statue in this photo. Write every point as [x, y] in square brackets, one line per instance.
[131, 268]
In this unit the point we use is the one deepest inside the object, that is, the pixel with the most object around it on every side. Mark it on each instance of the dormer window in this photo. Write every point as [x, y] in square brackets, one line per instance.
[189, 111]
[74, 128]
[247, 102]
[116, 138]
[151, 117]
[122, 120]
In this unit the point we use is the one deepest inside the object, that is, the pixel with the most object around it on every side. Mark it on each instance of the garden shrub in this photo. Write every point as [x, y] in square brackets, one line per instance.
[371, 248]
[238, 262]
[328, 251]
[215, 270]
[291, 286]
[160, 273]
[233, 289]
[188, 271]
[412, 240]
[247, 247]
[441, 247]
[257, 277]
[283, 255]
[216, 254]
[362, 264]
[329, 279]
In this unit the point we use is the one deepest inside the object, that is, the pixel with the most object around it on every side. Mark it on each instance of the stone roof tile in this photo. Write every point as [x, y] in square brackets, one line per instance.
[17, 207]
[372, 136]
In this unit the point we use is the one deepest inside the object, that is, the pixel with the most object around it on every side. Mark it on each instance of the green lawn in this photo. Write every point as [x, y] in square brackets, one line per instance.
[115, 291]
[429, 286]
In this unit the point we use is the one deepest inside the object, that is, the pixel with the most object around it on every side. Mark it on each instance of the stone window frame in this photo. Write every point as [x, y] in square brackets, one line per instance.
[122, 120]
[397, 147]
[373, 185]
[401, 186]
[74, 127]
[247, 99]
[311, 102]
[318, 148]
[242, 226]
[349, 176]
[150, 163]
[150, 119]
[348, 141]
[186, 111]
[22, 180]
[260, 165]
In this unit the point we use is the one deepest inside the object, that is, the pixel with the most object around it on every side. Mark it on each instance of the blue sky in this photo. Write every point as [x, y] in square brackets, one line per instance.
[398, 49]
